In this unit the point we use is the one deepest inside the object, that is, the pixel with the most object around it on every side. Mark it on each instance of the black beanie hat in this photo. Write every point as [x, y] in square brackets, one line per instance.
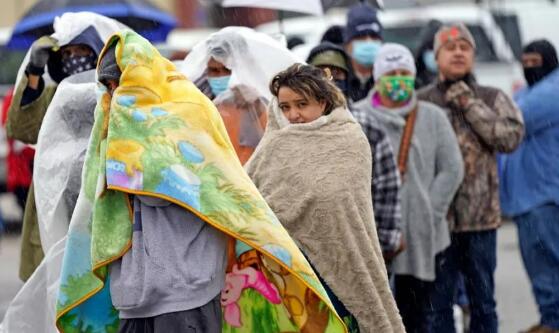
[549, 61]
[546, 50]
[362, 20]
[334, 35]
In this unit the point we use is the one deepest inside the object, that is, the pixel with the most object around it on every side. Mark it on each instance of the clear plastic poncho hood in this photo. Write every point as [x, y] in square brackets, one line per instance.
[69, 25]
[253, 57]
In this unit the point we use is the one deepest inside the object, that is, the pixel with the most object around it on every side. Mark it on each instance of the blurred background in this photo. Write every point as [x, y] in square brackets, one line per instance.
[500, 28]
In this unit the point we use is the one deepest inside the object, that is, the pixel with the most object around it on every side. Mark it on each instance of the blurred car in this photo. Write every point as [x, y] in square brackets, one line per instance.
[536, 18]
[496, 64]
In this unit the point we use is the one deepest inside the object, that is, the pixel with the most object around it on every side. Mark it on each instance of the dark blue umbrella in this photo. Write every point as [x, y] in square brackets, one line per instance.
[140, 15]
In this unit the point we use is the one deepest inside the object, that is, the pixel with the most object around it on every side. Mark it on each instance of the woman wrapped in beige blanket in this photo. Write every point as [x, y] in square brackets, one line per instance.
[313, 167]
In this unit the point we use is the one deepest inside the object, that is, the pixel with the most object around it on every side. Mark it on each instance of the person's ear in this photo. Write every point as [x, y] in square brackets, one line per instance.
[328, 73]
[322, 105]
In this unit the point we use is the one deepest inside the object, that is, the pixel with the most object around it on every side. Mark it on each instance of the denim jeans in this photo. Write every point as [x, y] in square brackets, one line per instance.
[416, 300]
[461, 297]
[474, 255]
[538, 233]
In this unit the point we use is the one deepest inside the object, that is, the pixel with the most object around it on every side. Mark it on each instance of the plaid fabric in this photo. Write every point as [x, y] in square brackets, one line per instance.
[385, 185]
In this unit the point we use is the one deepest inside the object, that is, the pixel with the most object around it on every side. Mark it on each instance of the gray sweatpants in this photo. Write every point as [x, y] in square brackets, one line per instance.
[205, 319]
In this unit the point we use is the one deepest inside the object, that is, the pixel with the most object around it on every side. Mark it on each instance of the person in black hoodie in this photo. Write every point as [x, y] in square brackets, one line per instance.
[529, 181]
[539, 59]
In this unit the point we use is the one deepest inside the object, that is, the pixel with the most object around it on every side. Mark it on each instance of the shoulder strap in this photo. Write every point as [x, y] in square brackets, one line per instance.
[406, 141]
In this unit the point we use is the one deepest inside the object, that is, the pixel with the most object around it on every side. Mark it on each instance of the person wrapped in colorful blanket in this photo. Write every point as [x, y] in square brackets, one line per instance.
[162, 194]
[170, 279]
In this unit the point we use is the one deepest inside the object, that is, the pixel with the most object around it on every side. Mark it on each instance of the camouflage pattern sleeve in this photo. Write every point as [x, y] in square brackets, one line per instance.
[499, 126]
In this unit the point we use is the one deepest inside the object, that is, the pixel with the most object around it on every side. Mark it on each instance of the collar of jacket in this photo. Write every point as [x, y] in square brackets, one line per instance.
[355, 81]
[469, 79]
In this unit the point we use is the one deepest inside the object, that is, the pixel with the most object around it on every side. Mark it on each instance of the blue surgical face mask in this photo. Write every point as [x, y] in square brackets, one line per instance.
[430, 61]
[365, 51]
[219, 84]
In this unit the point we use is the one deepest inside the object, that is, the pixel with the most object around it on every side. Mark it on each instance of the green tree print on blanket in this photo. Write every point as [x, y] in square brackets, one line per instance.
[75, 285]
[74, 324]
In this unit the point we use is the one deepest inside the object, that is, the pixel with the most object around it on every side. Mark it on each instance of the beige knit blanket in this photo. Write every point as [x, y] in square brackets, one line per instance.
[316, 177]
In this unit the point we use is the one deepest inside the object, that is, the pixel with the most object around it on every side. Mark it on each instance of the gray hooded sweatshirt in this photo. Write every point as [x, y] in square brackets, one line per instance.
[434, 172]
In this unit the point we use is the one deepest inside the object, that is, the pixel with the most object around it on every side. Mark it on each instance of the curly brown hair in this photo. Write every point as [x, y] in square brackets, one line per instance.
[310, 82]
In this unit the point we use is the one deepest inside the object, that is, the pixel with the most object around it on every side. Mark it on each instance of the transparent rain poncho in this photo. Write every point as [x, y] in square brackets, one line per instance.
[64, 134]
[58, 164]
[253, 58]
[60, 152]
[68, 26]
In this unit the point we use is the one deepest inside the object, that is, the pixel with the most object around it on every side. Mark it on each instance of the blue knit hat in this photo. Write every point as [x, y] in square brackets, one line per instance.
[362, 20]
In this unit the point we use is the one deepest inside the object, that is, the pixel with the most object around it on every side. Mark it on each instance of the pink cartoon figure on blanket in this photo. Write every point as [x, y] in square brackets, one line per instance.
[238, 280]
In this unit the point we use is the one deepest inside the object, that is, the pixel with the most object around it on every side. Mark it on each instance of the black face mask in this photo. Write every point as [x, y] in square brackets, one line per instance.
[534, 74]
[549, 61]
[77, 64]
[342, 85]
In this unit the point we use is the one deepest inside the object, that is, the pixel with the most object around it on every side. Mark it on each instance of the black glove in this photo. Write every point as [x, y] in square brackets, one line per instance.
[40, 52]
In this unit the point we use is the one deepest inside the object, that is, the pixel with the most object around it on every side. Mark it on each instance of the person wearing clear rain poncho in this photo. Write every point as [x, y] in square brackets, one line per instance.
[72, 48]
[60, 151]
[233, 67]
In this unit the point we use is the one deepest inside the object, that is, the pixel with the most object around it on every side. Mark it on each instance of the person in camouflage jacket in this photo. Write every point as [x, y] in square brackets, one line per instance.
[486, 122]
